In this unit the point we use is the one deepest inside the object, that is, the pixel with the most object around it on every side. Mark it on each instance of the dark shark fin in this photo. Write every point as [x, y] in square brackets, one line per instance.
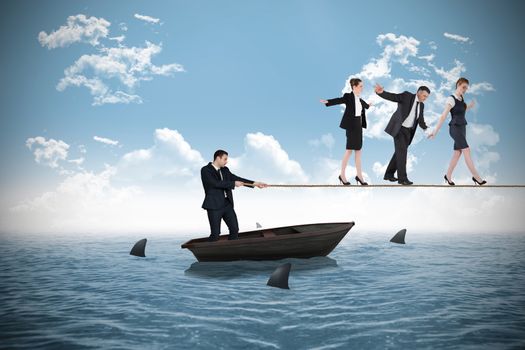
[139, 247]
[399, 237]
[279, 277]
[258, 225]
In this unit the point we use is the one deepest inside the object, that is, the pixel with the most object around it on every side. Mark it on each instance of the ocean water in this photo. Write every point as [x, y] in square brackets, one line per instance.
[453, 291]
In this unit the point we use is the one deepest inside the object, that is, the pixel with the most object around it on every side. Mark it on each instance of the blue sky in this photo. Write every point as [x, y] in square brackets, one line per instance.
[255, 68]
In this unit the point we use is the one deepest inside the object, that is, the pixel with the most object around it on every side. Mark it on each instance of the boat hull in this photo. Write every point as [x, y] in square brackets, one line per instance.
[300, 241]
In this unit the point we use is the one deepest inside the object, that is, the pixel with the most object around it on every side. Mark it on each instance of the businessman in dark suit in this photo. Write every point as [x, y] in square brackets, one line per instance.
[218, 183]
[402, 127]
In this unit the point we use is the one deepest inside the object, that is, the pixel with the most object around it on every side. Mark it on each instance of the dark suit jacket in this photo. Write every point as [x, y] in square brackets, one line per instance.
[404, 101]
[214, 187]
[349, 100]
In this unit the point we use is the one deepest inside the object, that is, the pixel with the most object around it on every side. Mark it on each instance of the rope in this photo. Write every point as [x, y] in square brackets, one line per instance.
[393, 186]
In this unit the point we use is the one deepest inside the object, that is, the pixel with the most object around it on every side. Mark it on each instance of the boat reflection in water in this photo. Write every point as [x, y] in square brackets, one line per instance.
[234, 269]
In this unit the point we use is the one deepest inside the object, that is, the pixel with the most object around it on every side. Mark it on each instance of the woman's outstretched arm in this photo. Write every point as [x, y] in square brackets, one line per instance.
[440, 121]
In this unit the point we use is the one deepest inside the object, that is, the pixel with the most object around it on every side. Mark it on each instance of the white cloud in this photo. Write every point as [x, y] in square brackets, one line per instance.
[118, 39]
[396, 48]
[482, 135]
[137, 156]
[456, 37]
[376, 68]
[420, 70]
[116, 97]
[428, 58]
[480, 138]
[326, 140]
[77, 161]
[48, 152]
[113, 73]
[82, 202]
[146, 18]
[95, 202]
[478, 88]
[450, 76]
[400, 48]
[176, 141]
[129, 65]
[105, 140]
[411, 161]
[261, 149]
[379, 169]
[484, 160]
[171, 157]
[79, 28]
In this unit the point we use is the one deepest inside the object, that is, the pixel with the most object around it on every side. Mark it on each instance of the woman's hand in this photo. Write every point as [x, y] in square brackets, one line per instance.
[323, 101]
[470, 105]
[432, 134]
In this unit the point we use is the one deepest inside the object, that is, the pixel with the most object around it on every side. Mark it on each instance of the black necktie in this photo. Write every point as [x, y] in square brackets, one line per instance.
[220, 175]
[415, 118]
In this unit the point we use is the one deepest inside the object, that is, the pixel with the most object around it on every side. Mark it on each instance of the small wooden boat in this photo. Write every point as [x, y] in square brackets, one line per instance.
[299, 241]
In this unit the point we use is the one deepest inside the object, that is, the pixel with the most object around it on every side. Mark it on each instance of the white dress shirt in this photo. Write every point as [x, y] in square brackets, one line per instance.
[409, 121]
[358, 106]
[220, 173]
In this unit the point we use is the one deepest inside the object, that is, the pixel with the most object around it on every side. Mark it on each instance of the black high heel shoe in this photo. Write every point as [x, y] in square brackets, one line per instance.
[362, 183]
[344, 183]
[451, 183]
[479, 183]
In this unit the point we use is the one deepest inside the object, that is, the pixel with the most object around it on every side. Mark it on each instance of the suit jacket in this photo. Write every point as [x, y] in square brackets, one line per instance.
[404, 101]
[349, 100]
[214, 187]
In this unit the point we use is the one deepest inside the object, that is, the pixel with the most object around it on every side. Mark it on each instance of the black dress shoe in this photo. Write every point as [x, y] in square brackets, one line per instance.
[362, 183]
[479, 183]
[233, 236]
[451, 183]
[213, 239]
[344, 183]
[406, 182]
[390, 178]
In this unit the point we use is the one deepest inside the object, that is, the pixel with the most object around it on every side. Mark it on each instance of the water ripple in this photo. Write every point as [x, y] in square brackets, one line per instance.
[438, 291]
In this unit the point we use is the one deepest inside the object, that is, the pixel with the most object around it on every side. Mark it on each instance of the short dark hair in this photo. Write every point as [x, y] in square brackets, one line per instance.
[423, 88]
[219, 153]
[354, 82]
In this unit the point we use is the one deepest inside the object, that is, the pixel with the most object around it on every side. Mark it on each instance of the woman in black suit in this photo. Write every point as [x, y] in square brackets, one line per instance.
[457, 128]
[353, 121]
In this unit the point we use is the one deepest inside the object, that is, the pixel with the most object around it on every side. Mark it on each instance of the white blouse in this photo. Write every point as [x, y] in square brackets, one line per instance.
[358, 106]
[451, 101]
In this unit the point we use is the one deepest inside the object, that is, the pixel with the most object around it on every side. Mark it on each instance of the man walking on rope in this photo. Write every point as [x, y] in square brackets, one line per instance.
[402, 127]
[218, 183]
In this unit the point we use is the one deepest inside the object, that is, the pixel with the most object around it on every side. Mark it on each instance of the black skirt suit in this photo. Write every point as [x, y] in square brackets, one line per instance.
[458, 124]
[350, 122]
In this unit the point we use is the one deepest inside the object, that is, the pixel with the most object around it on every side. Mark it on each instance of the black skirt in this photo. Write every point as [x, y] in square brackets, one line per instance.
[459, 135]
[354, 134]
